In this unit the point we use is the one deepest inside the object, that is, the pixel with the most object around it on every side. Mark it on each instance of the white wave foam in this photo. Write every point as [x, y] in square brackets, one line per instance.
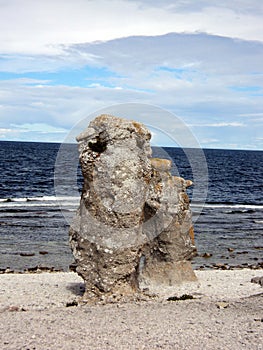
[74, 200]
[229, 206]
[39, 201]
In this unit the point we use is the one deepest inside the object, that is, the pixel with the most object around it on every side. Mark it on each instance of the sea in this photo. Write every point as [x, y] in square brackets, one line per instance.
[36, 210]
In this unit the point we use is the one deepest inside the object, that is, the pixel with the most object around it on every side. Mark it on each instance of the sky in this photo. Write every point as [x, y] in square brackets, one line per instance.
[62, 61]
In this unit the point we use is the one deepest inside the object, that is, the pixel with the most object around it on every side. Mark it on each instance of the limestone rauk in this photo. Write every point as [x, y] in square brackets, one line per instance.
[133, 228]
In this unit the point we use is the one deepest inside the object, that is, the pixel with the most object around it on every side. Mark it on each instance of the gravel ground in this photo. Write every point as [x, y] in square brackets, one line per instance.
[227, 313]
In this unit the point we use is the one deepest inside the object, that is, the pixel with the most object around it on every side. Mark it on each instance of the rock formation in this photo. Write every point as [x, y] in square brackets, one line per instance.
[133, 228]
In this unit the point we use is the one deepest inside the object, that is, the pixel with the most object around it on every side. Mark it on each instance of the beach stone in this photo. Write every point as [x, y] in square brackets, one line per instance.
[26, 254]
[207, 255]
[222, 305]
[43, 252]
[258, 280]
[133, 227]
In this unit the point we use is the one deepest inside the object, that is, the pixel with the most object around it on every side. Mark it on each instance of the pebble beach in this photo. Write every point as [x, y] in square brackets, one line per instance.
[223, 310]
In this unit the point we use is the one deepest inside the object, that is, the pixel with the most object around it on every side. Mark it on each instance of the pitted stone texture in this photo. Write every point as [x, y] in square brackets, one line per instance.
[133, 223]
[169, 226]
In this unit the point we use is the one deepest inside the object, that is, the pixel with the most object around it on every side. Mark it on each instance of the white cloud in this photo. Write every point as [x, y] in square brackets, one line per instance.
[59, 106]
[41, 27]
[220, 125]
[198, 55]
[4, 132]
[209, 141]
[179, 71]
[33, 132]
[38, 127]
[251, 115]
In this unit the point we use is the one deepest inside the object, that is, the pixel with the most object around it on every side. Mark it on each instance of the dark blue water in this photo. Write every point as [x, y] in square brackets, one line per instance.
[33, 219]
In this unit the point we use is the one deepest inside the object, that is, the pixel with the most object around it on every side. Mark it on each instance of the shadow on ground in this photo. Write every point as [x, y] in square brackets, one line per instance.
[76, 288]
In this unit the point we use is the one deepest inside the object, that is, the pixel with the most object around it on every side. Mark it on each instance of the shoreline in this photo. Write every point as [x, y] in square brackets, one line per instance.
[204, 267]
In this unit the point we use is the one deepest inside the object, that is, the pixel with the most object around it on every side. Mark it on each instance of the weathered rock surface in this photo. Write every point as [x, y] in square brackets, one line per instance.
[133, 228]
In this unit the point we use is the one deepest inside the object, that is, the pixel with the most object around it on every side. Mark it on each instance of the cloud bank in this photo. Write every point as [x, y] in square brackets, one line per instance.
[61, 61]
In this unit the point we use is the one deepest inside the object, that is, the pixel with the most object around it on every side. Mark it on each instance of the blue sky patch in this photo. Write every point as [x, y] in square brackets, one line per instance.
[80, 77]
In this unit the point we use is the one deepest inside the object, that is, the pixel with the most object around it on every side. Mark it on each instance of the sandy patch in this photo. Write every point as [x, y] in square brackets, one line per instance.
[47, 323]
